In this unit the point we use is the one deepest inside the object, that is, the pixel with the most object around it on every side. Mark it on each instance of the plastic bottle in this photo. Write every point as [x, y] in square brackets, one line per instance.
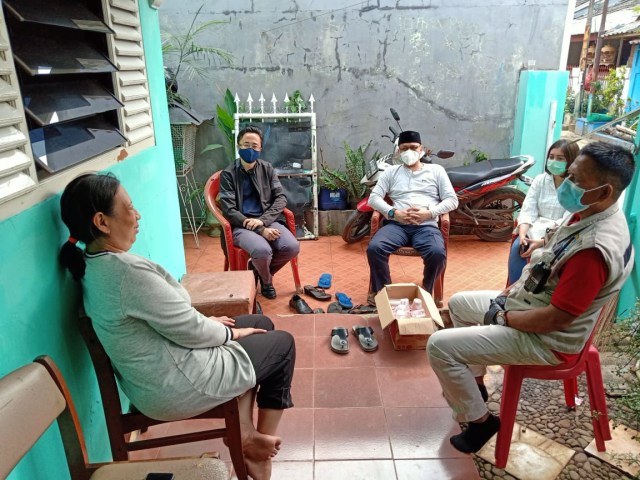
[417, 310]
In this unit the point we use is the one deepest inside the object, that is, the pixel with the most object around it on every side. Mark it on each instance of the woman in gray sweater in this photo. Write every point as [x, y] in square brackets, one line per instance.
[172, 362]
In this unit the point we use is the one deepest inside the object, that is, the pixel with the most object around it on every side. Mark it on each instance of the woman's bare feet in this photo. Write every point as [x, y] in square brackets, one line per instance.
[259, 469]
[259, 446]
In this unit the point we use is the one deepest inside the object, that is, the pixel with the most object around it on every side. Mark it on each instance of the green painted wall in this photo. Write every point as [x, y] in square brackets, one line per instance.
[536, 91]
[631, 290]
[38, 300]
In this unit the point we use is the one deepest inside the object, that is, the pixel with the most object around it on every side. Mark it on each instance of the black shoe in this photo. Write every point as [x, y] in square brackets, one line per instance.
[268, 291]
[299, 305]
[476, 435]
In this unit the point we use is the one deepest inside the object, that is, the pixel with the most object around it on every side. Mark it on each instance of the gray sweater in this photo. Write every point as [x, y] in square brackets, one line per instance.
[171, 361]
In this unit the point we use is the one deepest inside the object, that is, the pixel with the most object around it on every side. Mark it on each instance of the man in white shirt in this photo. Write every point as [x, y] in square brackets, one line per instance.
[419, 194]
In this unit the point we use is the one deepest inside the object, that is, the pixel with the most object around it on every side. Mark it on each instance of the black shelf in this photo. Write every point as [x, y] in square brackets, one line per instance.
[62, 13]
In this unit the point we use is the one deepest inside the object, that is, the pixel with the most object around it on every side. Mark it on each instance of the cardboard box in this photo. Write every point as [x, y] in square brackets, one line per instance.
[217, 294]
[408, 333]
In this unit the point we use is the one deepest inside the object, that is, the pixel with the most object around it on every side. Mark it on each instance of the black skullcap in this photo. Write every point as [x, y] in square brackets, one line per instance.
[409, 137]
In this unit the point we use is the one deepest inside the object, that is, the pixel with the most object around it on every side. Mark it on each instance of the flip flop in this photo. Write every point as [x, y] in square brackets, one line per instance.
[363, 310]
[325, 280]
[340, 340]
[365, 337]
[317, 293]
[343, 300]
[334, 307]
[318, 310]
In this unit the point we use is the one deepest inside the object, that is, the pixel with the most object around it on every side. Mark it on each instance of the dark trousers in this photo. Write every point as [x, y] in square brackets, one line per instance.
[427, 240]
[273, 355]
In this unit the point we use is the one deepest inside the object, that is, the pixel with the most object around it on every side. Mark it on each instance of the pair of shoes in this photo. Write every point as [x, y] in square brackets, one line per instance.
[343, 300]
[298, 305]
[476, 435]
[340, 341]
[317, 293]
[268, 291]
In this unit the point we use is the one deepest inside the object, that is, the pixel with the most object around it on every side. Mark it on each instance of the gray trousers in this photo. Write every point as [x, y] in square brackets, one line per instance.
[458, 355]
[267, 257]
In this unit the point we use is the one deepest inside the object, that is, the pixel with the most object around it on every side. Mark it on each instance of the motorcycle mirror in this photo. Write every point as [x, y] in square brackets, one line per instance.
[393, 132]
[395, 115]
[445, 154]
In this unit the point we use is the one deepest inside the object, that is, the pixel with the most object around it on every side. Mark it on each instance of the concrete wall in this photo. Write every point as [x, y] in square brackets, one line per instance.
[39, 301]
[450, 67]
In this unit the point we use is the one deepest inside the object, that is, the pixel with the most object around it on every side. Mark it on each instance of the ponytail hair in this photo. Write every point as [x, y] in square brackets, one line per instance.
[85, 196]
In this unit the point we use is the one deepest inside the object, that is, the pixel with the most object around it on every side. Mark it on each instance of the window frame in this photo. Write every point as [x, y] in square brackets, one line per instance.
[140, 135]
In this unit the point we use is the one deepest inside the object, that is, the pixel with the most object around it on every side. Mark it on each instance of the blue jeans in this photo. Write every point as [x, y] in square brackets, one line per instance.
[516, 262]
[427, 240]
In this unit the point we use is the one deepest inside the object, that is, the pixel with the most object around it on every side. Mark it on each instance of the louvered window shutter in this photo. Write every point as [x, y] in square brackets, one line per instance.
[132, 88]
[17, 173]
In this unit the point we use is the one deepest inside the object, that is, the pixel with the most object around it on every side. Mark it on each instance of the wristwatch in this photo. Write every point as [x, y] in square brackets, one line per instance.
[501, 318]
[391, 213]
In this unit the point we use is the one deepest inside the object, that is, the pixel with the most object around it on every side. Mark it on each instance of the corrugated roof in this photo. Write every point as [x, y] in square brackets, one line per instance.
[629, 28]
[582, 7]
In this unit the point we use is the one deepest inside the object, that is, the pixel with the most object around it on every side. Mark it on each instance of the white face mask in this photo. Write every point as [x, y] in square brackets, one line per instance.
[410, 157]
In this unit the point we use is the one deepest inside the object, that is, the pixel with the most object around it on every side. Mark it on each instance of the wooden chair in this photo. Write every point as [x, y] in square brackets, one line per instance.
[36, 395]
[120, 424]
[444, 224]
[235, 258]
[588, 362]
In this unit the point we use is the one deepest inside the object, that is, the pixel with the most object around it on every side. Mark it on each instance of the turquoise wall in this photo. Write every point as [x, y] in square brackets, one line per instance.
[38, 300]
[536, 91]
[631, 290]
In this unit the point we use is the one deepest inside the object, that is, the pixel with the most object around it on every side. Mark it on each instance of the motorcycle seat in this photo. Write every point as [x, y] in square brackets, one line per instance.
[466, 175]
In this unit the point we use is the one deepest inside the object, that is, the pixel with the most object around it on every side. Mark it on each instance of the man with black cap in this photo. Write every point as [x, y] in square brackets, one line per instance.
[419, 194]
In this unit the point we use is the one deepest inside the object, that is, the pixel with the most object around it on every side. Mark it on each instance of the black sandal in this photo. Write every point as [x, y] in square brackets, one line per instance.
[340, 340]
[317, 293]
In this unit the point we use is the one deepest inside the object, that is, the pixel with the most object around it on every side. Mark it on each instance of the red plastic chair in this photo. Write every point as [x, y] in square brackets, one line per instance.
[588, 361]
[443, 224]
[234, 257]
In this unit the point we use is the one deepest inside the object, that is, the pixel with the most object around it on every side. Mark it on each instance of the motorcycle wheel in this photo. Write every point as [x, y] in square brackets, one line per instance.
[357, 227]
[507, 198]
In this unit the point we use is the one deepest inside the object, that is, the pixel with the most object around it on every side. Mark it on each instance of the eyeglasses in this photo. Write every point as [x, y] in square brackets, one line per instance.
[254, 146]
[410, 146]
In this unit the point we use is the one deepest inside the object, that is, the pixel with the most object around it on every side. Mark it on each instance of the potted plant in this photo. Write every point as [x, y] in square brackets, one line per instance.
[340, 189]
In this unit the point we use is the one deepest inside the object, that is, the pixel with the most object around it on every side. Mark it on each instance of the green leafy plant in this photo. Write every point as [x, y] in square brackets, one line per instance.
[296, 103]
[478, 155]
[184, 57]
[612, 91]
[355, 164]
[570, 101]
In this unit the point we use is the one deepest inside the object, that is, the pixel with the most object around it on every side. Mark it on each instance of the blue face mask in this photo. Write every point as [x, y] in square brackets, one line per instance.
[249, 155]
[570, 196]
[556, 167]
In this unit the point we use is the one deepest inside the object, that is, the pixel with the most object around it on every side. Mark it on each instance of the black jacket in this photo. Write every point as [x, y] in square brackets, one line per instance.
[268, 186]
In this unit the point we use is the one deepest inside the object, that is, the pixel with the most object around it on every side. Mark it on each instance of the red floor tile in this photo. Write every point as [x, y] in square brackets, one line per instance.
[422, 433]
[297, 432]
[351, 434]
[441, 469]
[346, 387]
[355, 470]
[410, 386]
[302, 387]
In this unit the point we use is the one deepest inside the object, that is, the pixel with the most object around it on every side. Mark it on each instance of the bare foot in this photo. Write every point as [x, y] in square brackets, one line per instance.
[259, 469]
[259, 446]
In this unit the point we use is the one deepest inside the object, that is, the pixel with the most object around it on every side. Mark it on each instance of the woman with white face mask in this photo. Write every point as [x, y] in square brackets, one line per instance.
[411, 196]
[541, 209]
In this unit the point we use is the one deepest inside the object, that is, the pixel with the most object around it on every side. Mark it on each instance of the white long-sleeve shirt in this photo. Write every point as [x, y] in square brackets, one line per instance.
[541, 208]
[428, 187]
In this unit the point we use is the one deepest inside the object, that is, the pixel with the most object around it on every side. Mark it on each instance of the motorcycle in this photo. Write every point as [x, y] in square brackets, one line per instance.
[487, 205]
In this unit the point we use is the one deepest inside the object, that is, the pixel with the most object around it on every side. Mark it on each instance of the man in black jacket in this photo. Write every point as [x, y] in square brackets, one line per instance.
[252, 199]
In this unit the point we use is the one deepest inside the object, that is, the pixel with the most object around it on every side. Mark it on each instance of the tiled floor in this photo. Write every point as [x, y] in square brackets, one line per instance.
[362, 415]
